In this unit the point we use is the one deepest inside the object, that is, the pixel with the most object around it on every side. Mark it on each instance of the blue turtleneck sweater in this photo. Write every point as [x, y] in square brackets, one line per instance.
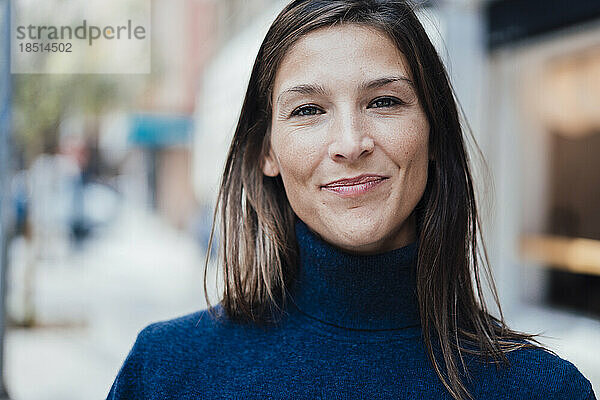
[351, 332]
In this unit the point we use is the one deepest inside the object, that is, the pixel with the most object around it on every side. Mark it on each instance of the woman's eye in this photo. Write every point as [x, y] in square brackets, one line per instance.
[307, 110]
[384, 102]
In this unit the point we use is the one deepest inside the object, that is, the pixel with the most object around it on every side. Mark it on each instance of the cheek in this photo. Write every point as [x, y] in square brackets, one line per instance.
[406, 140]
[406, 143]
[418, 155]
[415, 165]
[297, 156]
[417, 151]
[297, 165]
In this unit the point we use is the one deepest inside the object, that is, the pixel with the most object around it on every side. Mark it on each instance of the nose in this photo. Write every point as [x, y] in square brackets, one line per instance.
[350, 140]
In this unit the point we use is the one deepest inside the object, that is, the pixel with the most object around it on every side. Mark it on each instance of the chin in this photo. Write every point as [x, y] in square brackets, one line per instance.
[359, 237]
[361, 247]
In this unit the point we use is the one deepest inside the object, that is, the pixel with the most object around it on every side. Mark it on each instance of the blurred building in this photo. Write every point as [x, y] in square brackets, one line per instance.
[224, 82]
[544, 133]
[526, 74]
[184, 35]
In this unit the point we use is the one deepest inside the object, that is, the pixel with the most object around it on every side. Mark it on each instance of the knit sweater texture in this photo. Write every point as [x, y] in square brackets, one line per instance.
[351, 331]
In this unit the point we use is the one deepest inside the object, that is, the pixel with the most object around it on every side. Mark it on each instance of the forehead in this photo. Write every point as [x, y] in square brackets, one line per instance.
[347, 52]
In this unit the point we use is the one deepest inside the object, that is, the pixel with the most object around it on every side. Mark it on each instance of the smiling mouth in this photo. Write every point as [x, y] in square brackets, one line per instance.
[355, 189]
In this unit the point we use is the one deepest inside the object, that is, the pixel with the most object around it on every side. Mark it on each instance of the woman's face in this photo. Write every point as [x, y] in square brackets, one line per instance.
[344, 106]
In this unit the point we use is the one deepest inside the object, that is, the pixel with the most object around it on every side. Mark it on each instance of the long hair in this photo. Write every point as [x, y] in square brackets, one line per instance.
[258, 249]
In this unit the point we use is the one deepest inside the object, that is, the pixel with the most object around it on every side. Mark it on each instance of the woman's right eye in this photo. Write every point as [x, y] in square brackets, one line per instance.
[306, 111]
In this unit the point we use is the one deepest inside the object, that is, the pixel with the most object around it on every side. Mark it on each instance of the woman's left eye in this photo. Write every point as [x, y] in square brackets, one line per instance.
[384, 102]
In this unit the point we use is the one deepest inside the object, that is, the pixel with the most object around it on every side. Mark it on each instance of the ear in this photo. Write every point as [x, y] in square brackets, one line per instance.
[270, 166]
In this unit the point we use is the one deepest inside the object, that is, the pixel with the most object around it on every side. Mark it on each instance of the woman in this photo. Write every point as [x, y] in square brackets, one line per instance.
[349, 235]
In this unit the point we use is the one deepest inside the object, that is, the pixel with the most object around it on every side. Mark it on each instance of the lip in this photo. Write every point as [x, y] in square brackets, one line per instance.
[353, 187]
[355, 180]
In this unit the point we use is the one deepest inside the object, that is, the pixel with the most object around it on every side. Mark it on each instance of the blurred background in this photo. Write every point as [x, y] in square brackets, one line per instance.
[108, 181]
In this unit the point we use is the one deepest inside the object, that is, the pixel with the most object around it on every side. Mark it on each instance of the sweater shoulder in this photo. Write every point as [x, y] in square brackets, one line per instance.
[178, 343]
[536, 372]
[184, 328]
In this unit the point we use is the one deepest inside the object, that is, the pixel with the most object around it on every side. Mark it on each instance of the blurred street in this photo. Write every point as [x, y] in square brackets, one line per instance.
[91, 305]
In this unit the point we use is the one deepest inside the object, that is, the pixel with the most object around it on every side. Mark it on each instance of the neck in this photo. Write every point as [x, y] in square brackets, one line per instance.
[355, 291]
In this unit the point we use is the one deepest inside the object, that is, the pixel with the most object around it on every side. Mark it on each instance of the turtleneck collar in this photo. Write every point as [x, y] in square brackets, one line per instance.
[360, 292]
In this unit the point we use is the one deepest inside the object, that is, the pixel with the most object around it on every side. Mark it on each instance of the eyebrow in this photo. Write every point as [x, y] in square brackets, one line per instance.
[303, 89]
[377, 83]
[320, 90]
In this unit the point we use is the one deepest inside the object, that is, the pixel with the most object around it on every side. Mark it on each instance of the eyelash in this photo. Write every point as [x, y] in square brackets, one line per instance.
[393, 100]
[296, 113]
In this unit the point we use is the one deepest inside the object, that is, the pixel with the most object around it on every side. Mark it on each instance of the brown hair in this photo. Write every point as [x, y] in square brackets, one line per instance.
[258, 250]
